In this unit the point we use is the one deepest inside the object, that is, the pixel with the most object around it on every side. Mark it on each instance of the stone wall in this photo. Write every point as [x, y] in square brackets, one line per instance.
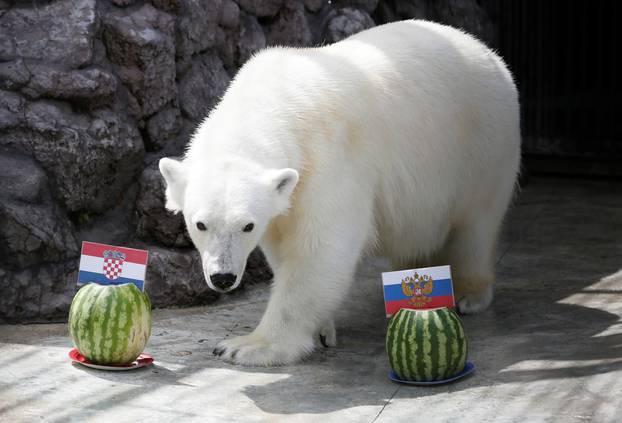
[93, 93]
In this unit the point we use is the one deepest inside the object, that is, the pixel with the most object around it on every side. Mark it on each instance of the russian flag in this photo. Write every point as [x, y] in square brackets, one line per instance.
[112, 265]
[428, 287]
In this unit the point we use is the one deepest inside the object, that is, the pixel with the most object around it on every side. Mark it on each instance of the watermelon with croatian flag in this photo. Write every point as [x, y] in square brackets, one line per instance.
[110, 324]
[110, 316]
[421, 289]
[112, 265]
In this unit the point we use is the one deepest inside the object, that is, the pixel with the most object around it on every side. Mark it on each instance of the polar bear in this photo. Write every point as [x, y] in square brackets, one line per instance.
[402, 141]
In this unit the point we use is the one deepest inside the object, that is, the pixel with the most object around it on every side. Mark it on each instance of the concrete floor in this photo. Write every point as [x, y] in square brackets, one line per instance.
[549, 349]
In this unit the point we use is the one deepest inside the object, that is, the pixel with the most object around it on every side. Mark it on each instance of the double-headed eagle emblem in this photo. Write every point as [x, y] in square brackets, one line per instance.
[418, 287]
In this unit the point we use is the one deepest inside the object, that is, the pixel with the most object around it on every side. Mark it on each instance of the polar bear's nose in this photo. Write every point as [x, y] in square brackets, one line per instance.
[223, 280]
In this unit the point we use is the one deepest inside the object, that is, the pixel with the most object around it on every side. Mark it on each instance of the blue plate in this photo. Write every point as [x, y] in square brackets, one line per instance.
[468, 369]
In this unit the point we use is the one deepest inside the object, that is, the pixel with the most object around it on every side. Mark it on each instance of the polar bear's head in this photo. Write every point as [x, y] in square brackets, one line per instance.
[227, 206]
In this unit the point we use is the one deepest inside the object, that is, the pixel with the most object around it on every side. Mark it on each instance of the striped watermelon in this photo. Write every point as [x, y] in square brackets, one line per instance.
[426, 345]
[110, 324]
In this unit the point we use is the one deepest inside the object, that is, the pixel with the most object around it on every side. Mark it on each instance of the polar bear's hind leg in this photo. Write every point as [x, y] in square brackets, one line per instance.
[470, 250]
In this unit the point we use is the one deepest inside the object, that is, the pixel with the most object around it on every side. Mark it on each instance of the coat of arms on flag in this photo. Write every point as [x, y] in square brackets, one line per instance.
[424, 288]
[111, 265]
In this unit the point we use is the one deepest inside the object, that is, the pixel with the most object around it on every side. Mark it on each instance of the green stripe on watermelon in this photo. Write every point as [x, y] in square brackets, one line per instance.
[405, 350]
[462, 346]
[419, 358]
[427, 348]
[395, 343]
[414, 347]
[408, 319]
[454, 347]
[93, 325]
[438, 342]
[107, 327]
[90, 316]
[398, 325]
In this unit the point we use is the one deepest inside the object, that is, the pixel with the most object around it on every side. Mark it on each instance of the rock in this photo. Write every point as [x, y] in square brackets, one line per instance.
[32, 234]
[123, 3]
[315, 5]
[228, 41]
[22, 178]
[56, 32]
[173, 6]
[261, 8]
[11, 109]
[257, 269]
[367, 5]
[91, 159]
[175, 146]
[469, 15]
[155, 223]
[142, 48]
[345, 22]
[175, 277]
[32, 228]
[92, 87]
[163, 127]
[196, 30]
[202, 86]
[291, 26]
[252, 37]
[230, 17]
[116, 225]
[13, 74]
[39, 293]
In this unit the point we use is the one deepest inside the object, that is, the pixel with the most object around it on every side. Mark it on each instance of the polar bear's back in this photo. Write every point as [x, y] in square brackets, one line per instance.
[441, 116]
[423, 76]
[423, 115]
[417, 90]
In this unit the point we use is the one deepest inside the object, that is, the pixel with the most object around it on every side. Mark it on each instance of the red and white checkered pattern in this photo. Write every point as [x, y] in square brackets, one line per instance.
[112, 268]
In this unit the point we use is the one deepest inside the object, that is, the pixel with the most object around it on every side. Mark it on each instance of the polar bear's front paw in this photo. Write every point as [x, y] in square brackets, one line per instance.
[475, 303]
[255, 350]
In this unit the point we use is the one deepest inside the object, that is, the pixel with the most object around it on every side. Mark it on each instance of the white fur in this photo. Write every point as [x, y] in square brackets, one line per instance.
[402, 140]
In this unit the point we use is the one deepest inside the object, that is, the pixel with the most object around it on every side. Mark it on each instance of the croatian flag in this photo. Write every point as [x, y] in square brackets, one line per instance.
[424, 288]
[110, 265]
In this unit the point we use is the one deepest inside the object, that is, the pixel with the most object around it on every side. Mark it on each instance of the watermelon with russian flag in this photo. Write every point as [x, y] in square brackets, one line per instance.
[423, 288]
[426, 345]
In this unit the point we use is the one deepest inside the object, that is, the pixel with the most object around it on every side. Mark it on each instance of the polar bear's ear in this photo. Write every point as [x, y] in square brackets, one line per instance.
[284, 181]
[175, 177]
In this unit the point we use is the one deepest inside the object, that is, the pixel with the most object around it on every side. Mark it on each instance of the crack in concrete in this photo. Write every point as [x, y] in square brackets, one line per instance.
[387, 402]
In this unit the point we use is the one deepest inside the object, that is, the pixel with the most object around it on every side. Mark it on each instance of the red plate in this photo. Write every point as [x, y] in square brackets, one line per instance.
[141, 361]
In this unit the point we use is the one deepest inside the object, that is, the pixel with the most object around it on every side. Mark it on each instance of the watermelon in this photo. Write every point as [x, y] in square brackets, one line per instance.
[110, 324]
[426, 345]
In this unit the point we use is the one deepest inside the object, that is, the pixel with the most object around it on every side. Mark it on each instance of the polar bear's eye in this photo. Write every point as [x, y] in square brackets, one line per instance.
[201, 226]
[248, 227]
